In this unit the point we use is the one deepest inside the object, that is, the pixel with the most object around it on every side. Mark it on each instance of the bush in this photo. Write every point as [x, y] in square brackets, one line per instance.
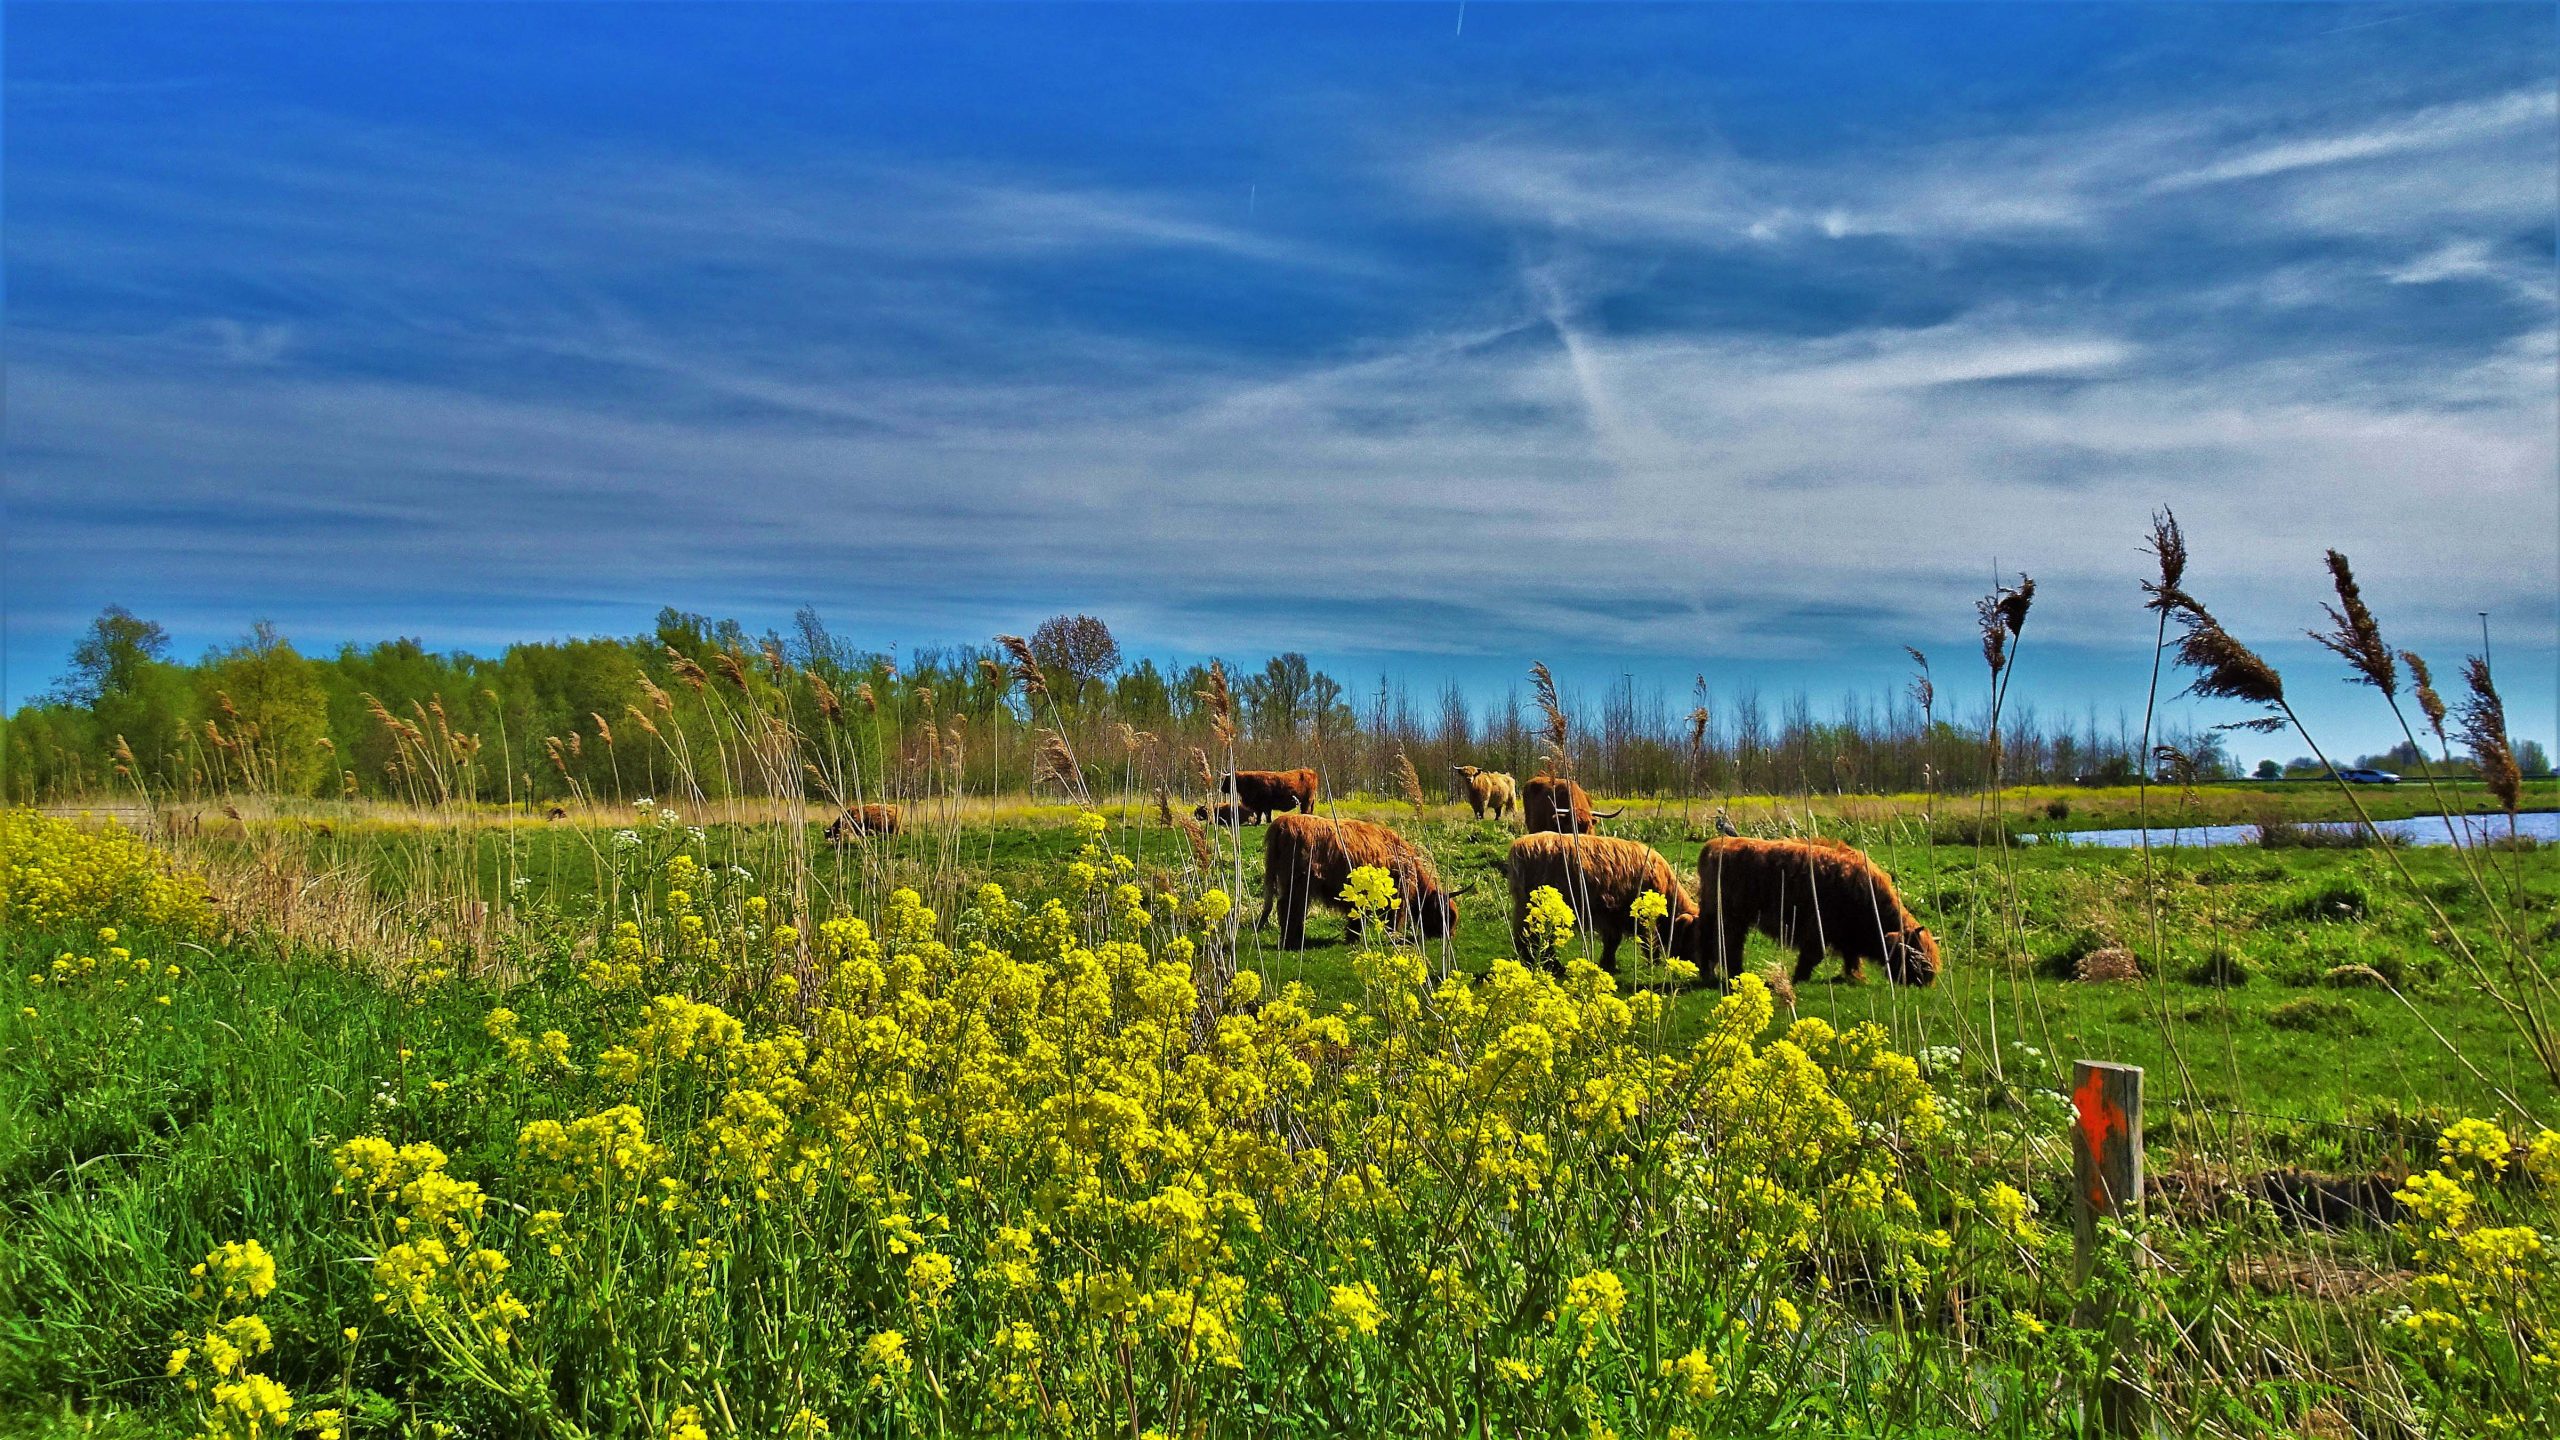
[2327, 1013]
[2222, 970]
[56, 876]
[2332, 901]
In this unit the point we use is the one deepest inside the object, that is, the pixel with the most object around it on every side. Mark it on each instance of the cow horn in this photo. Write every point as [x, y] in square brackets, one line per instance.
[1608, 814]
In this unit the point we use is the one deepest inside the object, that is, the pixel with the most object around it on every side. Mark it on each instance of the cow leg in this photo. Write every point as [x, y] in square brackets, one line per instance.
[1609, 951]
[1808, 954]
[1293, 914]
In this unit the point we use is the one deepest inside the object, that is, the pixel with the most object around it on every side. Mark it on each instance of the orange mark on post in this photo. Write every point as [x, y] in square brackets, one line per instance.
[2099, 1117]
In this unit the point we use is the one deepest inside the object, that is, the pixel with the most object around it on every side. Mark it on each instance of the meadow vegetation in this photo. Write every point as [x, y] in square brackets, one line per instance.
[668, 1117]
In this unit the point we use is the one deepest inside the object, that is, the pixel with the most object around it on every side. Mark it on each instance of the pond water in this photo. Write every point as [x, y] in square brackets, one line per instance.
[2542, 825]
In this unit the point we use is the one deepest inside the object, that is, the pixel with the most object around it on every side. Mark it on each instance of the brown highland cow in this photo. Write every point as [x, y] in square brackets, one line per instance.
[864, 820]
[1548, 803]
[1264, 793]
[1815, 895]
[1225, 812]
[1601, 878]
[1489, 790]
[1307, 859]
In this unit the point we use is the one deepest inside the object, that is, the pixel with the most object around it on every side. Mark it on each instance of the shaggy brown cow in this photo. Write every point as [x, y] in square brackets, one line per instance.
[1266, 792]
[1601, 878]
[864, 820]
[1547, 803]
[559, 814]
[1308, 859]
[1225, 812]
[1816, 895]
[1489, 790]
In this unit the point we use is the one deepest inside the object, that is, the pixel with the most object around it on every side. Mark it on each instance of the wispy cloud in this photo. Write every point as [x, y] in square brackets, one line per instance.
[1541, 386]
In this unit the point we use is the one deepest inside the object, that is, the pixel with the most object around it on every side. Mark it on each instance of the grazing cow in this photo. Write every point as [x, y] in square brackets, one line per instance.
[864, 820]
[1548, 803]
[559, 814]
[1225, 812]
[1816, 895]
[1489, 790]
[1264, 793]
[1601, 878]
[1308, 859]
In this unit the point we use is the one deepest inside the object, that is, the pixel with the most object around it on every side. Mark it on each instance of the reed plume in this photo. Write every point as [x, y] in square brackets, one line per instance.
[641, 718]
[2168, 545]
[731, 670]
[1200, 769]
[2429, 702]
[2225, 668]
[1203, 854]
[2353, 634]
[2014, 604]
[1409, 782]
[1220, 702]
[1924, 690]
[2484, 734]
[863, 696]
[1026, 666]
[1051, 759]
[686, 671]
[1557, 729]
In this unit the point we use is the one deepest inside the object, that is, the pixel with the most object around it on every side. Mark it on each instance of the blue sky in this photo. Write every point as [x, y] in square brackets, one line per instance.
[1665, 340]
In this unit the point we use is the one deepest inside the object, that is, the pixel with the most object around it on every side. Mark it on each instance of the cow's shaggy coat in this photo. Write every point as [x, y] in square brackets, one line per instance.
[1817, 895]
[1601, 878]
[864, 820]
[1306, 859]
[1264, 793]
[1549, 803]
[1489, 790]
[1225, 812]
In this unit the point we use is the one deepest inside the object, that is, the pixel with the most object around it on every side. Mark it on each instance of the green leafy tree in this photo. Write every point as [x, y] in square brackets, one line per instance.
[271, 713]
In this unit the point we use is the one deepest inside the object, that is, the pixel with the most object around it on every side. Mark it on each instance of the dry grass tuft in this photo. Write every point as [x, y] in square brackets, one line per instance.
[2107, 965]
[1782, 986]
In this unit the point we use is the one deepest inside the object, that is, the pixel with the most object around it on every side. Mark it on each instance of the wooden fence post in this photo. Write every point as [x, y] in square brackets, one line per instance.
[2106, 1146]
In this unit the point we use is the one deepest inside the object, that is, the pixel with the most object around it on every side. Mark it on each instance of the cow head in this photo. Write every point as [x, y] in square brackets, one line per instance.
[1911, 956]
[1436, 913]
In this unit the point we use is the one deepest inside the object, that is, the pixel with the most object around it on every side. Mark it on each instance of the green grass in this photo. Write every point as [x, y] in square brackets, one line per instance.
[2245, 932]
[126, 1156]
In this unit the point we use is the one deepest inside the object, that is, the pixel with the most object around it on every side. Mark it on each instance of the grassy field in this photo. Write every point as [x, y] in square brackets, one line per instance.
[2297, 1008]
[2245, 933]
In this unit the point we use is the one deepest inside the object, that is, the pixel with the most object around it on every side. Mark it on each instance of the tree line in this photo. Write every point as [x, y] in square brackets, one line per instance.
[702, 706]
